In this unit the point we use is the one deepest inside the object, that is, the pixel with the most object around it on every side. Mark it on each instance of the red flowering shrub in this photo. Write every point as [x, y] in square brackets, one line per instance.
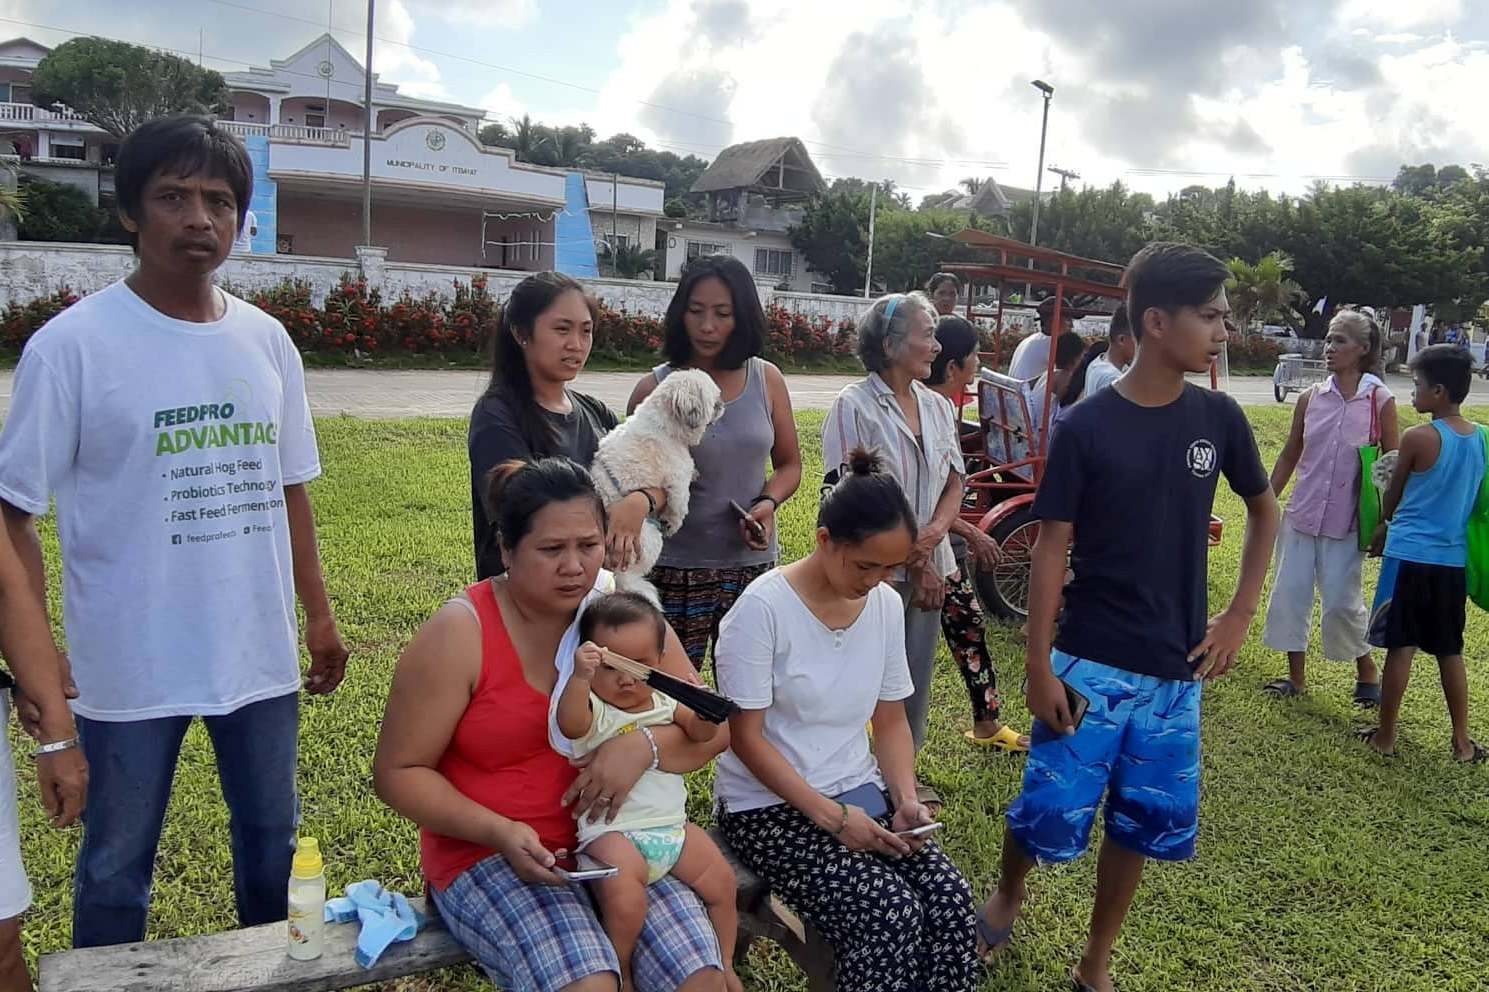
[355, 317]
[18, 321]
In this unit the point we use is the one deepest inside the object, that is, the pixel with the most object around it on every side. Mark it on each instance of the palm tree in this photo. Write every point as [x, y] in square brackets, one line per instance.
[527, 138]
[566, 144]
[630, 261]
[1263, 290]
[973, 185]
[12, 199]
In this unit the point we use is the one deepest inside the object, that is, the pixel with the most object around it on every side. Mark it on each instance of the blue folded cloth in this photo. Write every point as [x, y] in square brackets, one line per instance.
[386, 917]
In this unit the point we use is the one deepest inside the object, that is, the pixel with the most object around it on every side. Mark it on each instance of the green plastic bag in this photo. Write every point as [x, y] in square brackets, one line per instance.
[1478, 539]
[1369, 512]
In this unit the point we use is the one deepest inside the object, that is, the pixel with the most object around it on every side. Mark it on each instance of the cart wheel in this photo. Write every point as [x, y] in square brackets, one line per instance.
[1279, 392]
[1004, 590]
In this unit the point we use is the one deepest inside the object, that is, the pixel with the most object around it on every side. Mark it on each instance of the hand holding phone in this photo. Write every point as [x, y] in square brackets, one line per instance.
[925, 830]
[584, 869]
[1078, 705]
[755, 527]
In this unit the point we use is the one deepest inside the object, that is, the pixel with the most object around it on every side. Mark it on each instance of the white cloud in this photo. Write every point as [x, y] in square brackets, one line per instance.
[395, 62]
[1397, 14]
[502, 104]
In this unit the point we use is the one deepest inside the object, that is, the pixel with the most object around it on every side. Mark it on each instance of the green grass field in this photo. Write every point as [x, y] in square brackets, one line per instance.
[1321, 867]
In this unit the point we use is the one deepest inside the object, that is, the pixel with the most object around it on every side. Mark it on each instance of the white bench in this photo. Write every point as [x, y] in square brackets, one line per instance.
[254, 959]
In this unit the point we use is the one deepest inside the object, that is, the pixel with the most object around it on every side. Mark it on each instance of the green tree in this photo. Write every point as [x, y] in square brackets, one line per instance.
[1108, 223]
[58, 212]
[833, 235]
[906, 253]
[495, 134]
[119, 86]
[630, 262]
[1264, 291]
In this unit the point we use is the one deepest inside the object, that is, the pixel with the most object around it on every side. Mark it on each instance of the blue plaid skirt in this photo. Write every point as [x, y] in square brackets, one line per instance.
[540, 938]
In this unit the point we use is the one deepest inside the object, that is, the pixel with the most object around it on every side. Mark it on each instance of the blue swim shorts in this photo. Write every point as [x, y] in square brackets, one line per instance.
[1138, 746]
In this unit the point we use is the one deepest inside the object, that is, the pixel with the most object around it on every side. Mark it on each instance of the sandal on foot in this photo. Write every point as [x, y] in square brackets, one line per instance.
[1080, 983]
[1479, 756]
[1282, 689]
[1006, 739]
[928, 797]
[1367, 695]
[1367, 736]
[995, 940]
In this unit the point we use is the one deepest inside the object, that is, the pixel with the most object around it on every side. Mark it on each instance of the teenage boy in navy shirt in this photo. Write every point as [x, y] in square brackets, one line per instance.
[1131, 478]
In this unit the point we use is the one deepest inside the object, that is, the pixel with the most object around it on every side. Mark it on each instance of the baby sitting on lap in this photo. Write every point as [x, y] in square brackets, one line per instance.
[650, 837]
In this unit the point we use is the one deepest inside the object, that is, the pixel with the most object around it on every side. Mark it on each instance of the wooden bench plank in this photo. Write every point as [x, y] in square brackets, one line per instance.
[240, 960]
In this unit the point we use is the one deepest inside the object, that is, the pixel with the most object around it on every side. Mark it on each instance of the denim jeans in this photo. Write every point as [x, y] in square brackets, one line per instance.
[131, 766]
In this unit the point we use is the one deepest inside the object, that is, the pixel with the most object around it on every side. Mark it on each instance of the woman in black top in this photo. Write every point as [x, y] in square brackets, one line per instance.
[528, 411]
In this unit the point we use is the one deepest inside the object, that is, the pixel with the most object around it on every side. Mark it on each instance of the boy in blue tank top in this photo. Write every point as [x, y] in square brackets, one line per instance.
[1421, 599]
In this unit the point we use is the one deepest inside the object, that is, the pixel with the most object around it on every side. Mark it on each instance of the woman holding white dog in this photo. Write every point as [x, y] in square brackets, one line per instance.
[913, 429]
[528, 411]
[715, 324]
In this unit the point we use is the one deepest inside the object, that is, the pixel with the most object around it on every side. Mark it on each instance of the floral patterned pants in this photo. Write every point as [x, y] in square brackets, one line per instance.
[962, 623]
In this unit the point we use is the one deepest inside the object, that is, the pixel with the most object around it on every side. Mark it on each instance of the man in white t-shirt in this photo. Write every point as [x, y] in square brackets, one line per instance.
[1121, 350]
[1032, 357]
[169, 421]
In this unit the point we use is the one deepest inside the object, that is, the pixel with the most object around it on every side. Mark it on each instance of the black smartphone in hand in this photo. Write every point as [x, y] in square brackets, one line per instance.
[755, 527]
[1078, 704]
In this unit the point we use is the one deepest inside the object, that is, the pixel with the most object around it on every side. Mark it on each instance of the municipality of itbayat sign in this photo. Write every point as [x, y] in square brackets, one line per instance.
[435, 142]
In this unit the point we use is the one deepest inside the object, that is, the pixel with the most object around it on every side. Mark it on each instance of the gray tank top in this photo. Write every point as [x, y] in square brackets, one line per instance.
[730, 462]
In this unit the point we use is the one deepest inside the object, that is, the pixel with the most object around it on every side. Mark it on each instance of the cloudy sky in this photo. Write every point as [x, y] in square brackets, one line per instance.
[1157, 93]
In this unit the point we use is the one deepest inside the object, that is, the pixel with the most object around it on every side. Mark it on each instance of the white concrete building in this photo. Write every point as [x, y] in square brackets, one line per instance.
[750, 197]
[52, 144]
[439, 195]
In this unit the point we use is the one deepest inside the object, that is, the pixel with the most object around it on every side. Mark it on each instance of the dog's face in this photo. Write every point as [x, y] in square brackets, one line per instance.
[691, 402]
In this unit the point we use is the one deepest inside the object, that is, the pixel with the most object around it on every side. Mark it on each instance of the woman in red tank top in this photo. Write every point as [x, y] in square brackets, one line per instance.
[464, 752]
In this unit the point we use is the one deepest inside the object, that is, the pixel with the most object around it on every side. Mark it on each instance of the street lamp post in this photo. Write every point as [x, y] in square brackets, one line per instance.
[1044, 128]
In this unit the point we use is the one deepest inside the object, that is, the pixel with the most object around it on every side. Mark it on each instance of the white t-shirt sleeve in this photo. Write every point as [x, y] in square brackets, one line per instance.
[40, 441]
[744, 656]
[299, 456]
[896, 683]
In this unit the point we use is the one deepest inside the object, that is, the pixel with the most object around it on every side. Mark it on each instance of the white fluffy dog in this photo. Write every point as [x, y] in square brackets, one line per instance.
[650, 451]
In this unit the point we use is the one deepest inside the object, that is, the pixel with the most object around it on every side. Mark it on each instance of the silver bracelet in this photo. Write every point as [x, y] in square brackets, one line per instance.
[656, 754]
[55, 747]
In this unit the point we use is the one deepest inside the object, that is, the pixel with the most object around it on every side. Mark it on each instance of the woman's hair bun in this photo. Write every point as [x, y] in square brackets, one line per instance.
[865, 461]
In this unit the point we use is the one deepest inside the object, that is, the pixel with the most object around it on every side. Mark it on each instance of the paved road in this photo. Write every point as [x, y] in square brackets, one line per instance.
[382, 395]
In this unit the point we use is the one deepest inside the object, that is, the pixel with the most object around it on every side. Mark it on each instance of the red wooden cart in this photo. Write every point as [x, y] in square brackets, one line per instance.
[1006, 456]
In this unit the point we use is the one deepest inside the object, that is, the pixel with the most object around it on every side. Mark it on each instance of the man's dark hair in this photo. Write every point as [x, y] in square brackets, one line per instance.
[1121, 323]
[617, 609]
[183, 147]
[1170, 275]
[1447, 366]
[746, 341]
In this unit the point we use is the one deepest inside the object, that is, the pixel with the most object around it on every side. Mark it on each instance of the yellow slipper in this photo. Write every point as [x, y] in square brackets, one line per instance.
[1006, 739]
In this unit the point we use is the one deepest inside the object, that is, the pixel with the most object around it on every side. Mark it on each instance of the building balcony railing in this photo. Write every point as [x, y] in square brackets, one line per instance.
[32, 114]
[289, 132]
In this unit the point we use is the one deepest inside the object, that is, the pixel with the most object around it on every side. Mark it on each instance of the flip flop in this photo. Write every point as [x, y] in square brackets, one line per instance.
[1006, 739]
[1367, 695]
[1281, 689]
[1366, 735]
[995, 940]
[1480, 755]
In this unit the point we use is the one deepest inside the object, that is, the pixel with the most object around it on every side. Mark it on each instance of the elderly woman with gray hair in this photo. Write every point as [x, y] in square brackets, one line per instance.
[915, 433]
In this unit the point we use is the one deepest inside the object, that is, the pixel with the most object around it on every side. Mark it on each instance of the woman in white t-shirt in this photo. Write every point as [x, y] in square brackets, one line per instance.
[812, 652]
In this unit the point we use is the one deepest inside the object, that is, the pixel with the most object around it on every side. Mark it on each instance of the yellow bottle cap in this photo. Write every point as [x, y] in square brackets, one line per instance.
[307, 863]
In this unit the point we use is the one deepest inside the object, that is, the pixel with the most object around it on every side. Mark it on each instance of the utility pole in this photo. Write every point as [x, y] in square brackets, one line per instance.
[614, 198]
[1044, 128]
[367, 135]
[868, 276]
[1064, 175]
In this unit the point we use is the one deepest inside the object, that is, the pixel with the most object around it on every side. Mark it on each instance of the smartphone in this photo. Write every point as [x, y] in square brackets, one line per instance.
[923, 831]
[756, 528]
[1078, 705]
[583, 869]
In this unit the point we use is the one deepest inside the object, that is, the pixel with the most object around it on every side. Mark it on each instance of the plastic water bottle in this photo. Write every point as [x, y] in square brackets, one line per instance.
[307, 902]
